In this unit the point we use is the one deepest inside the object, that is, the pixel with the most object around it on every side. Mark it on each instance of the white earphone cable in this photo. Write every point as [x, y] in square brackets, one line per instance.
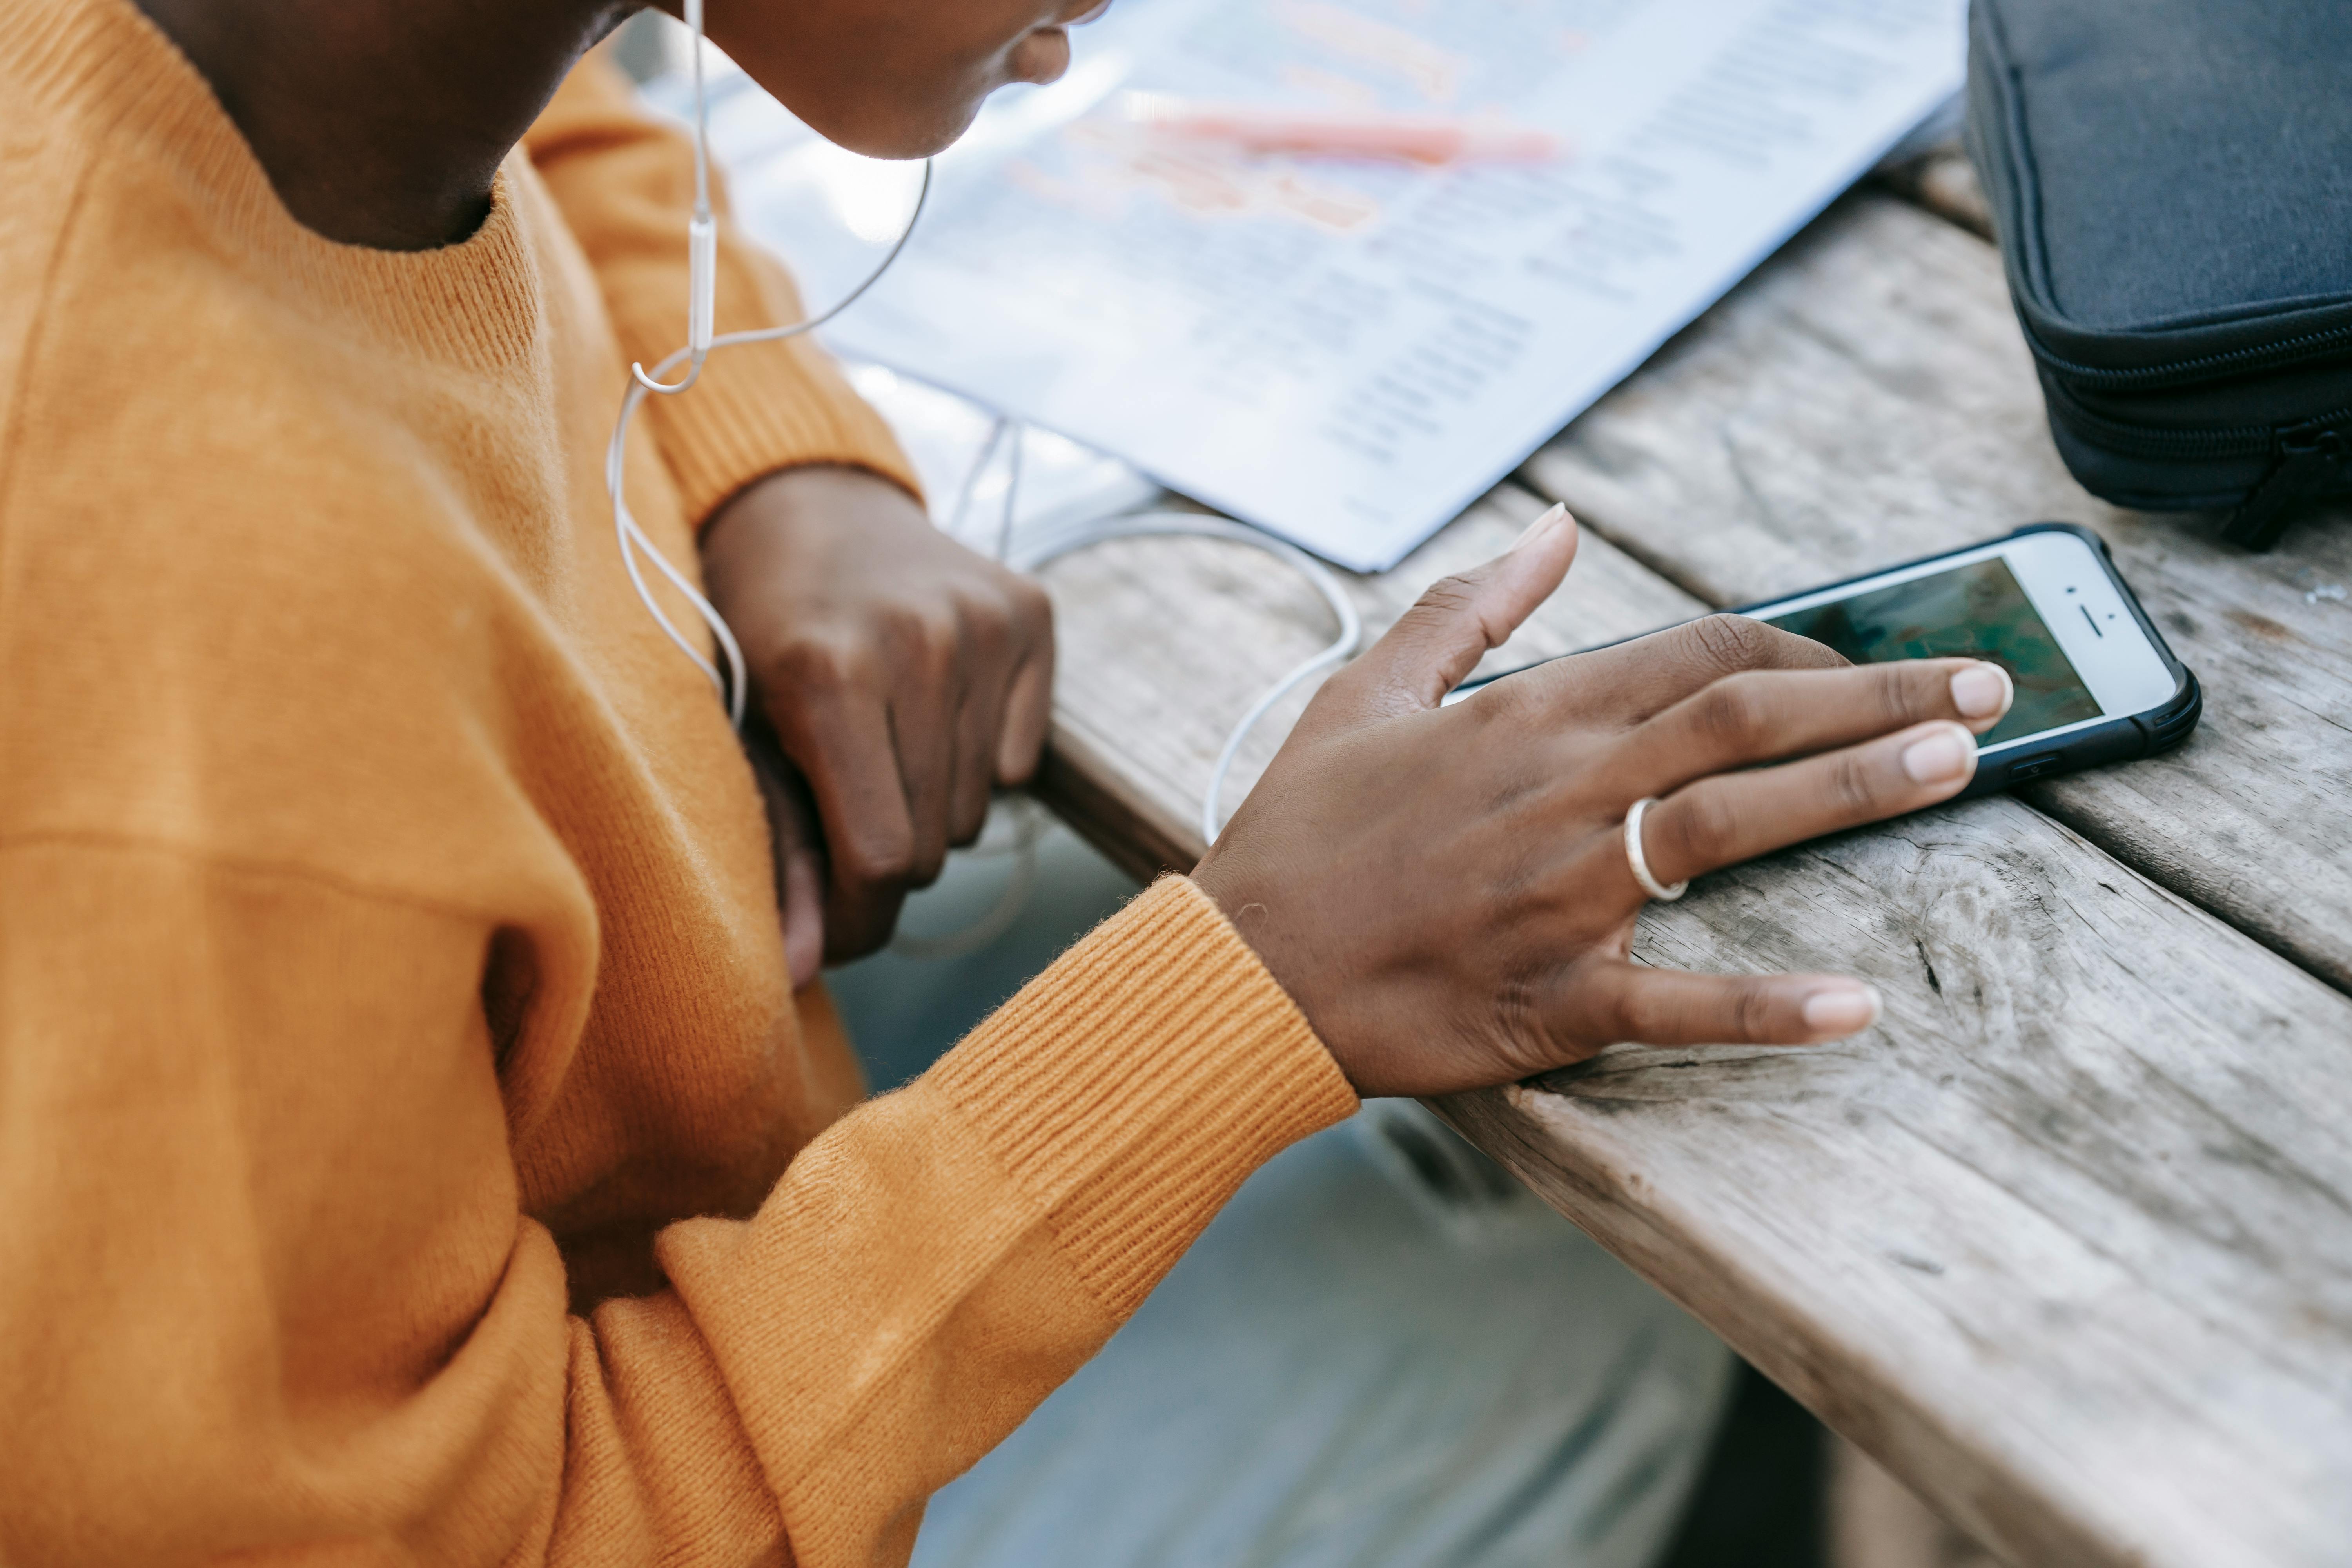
[1031, 555]
[701, 311]
[732, 683]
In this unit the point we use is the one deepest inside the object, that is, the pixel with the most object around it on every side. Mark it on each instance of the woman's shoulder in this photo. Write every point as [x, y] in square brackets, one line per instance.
[238, 595]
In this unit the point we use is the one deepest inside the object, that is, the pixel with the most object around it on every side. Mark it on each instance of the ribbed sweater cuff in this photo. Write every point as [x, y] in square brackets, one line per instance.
[763, 407]
[1135, 1085]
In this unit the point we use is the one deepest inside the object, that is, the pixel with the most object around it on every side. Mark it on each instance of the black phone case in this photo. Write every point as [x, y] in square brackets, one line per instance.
[2119, 740]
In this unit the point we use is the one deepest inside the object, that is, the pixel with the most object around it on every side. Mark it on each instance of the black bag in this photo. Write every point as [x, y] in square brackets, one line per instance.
[2172, 183]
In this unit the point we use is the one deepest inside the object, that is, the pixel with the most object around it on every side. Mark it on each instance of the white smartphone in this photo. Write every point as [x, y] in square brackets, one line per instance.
[2095, 682]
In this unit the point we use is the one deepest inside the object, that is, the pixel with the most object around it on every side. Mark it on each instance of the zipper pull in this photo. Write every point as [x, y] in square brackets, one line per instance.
[2311, 463]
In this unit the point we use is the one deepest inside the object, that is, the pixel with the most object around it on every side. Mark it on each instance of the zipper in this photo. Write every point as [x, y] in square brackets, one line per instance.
[2210, 441]
[2264, 356]
[2310, 458]
[2312, 463]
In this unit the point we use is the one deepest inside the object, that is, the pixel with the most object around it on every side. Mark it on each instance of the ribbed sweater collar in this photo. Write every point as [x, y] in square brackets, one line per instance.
[100, 63]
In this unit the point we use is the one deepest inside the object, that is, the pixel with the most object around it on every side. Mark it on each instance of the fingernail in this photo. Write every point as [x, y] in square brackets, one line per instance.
[1540, 525]
[1842, 1009]
[1944, 754]
[1981, 690]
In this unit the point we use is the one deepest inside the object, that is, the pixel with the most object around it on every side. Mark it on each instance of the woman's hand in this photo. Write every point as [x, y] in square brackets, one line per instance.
[904, 676]
[798, 844]
[1444, 891]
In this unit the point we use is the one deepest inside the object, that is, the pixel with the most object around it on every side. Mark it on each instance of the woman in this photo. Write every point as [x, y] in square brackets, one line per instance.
[411, 1146]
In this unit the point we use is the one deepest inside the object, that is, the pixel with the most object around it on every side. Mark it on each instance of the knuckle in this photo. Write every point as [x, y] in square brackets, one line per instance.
[1441, 607]
[1853, 787]
[882, 856]
[1449, 596]
[1648, 1013]
[1704, 831]
[938, 631]
[822, 662]
[1751, 1012]
[981, 599]
[1440, 614]
[1031, 605]
[924, 651]
[1737, 711]
[1018, 748]
[988, 629]
[1902, 690]
[1729, 643]
[896, 622]
[1517, 706]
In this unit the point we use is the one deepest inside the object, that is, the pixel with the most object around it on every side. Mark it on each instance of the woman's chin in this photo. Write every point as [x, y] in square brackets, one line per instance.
[911, 119]
[1041, 57]
[872, 130]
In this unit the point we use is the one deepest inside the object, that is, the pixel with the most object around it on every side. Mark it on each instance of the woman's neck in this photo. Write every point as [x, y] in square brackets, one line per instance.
[383, 123]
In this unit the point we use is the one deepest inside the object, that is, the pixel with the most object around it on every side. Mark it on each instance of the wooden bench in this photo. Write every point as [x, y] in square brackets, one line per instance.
[2066, 1242]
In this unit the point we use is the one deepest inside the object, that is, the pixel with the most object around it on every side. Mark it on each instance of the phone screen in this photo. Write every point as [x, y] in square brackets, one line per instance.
[1977, 610]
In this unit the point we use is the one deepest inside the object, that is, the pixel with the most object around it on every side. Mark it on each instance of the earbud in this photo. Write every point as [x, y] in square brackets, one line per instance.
[701, 322]
[701, 238]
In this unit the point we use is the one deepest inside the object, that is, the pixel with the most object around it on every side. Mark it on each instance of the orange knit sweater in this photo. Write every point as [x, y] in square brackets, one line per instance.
[388, 949]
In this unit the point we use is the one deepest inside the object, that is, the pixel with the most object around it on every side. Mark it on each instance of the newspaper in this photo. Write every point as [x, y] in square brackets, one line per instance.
[1346, 352]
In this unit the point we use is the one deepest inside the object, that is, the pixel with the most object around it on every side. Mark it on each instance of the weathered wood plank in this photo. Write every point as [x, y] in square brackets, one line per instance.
[2066, 1241]
[1866, 397]
[1167, 642]
[2070, 1222]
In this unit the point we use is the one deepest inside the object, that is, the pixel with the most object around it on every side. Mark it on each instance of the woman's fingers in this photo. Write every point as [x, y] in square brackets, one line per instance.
[1437, 643]
[985, 662]
[1761, 716]
[923, 734]
[1650, 673]
[1623, 1001]
[1729, 817]
[1029, 696]
[799, 851]
[837, 732]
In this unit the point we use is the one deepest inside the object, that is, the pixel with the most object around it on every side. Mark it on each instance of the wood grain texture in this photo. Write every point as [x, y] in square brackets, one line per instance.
[1865, 398]
[2066, 1242]
[1167, 642]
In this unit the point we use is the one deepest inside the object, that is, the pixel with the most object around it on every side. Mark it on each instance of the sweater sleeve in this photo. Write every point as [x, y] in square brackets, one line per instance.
[624, 183]
[269, 1290]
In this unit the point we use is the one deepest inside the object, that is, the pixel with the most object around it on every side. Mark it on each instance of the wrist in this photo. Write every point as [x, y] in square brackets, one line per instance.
[801, 487]
[794, 512]
[1223, 876]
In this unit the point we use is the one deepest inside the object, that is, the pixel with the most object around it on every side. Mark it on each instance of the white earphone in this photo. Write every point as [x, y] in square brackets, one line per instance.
[732, 683]
[701, 316]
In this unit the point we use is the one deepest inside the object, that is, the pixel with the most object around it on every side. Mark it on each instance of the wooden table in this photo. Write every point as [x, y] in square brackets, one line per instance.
[2066, 1242]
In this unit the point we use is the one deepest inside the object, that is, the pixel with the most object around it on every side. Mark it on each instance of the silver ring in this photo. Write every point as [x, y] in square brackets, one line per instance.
[1638, 862]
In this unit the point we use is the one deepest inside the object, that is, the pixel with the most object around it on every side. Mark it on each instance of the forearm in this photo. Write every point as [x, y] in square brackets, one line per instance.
[937, 1263]
[259, 1302]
